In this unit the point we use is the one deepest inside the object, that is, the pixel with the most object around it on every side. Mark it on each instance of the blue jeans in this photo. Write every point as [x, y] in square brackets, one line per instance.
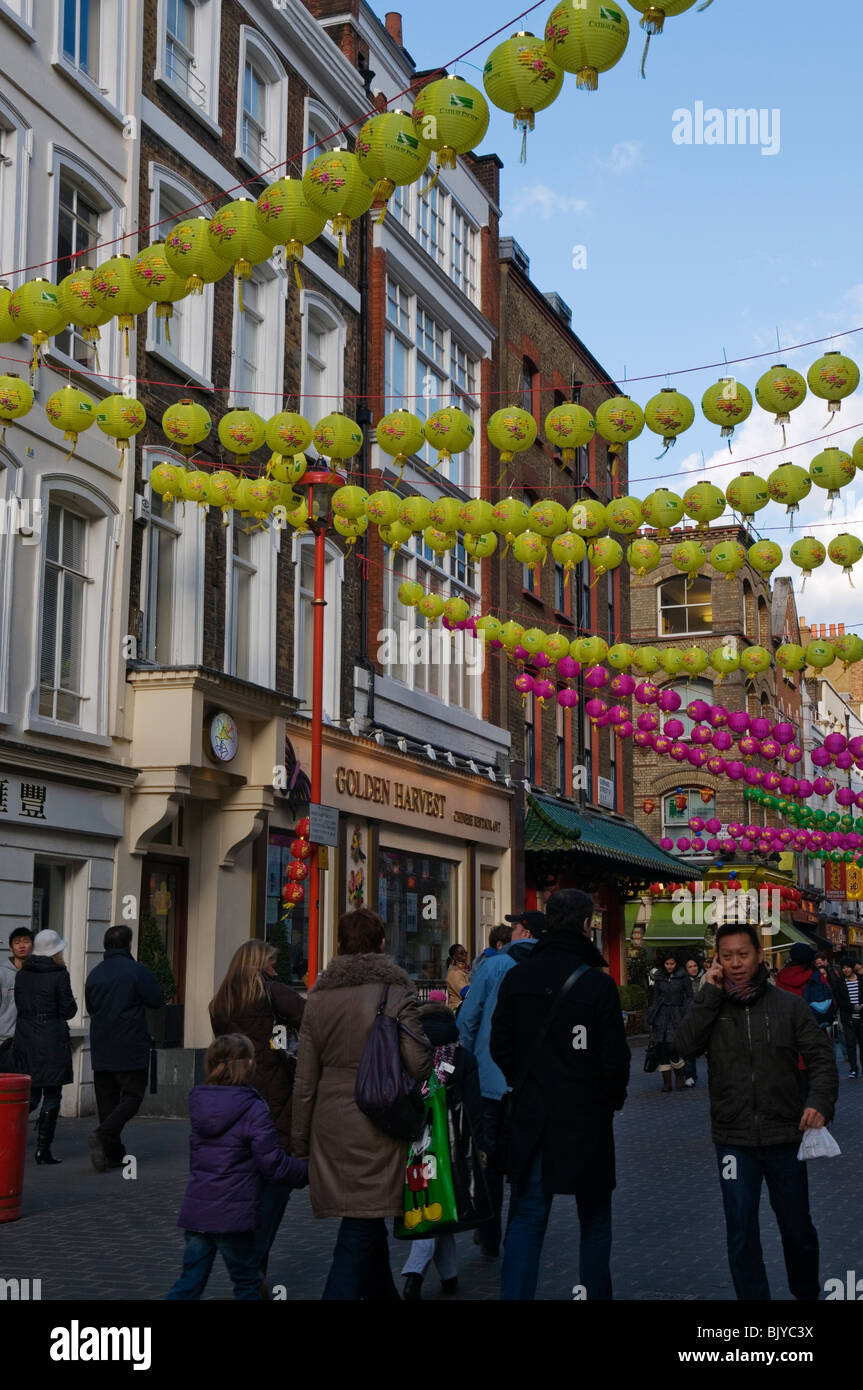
[529, 1209]
[361, 1262]
[237, 1249]
[271, 1208]
[441, 1249]
[788, 1189]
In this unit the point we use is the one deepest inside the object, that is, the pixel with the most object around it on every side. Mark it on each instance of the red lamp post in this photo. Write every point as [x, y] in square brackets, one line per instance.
[320, 485]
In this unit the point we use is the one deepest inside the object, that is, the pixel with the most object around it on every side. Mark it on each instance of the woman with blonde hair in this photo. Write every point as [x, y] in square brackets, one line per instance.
[250, 1000]
[41, 1046]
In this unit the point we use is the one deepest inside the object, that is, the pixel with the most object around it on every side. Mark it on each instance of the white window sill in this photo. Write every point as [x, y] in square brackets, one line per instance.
[176, 364]
[38, 724]
[24, 29]
[90, 89]
[277, 172]
[89, 382]
[198, 112]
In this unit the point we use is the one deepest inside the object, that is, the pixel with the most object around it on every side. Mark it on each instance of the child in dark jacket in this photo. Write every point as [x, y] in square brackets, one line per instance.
[233, 1148]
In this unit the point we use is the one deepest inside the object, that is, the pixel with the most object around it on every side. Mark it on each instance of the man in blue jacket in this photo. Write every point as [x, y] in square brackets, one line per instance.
[474, 1026]
[116, 994]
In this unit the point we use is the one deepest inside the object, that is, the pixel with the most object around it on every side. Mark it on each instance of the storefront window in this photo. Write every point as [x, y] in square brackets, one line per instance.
[417, 900]
[296, 924]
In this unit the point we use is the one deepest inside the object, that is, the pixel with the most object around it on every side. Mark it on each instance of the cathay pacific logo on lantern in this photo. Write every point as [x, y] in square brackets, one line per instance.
[735, 126]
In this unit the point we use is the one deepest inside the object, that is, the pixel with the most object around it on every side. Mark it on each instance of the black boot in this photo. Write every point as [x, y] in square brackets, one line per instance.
[679, 1078]
[666, 1081]
[413, 1287]
[45, 1135]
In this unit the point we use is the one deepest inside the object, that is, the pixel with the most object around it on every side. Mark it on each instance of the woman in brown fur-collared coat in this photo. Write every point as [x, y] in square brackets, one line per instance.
[355, 1170]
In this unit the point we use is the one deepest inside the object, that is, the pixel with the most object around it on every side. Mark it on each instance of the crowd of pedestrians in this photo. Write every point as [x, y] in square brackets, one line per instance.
[527, 1045]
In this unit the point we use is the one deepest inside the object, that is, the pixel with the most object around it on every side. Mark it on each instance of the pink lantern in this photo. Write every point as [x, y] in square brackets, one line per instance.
[844, 761]
[793, 753]
[835, 743]
[567, 668]
[544, 690]
[698, 709]
[754, 776]
[596, 677]
[821, 757]
[754, 831]
[714, 825]
[722, 740]
[595, 707]
[696, 757]
[818, 839]
[695, 823]
[759, 727]
[853, 840]
[496, 644]
[770, 748]
[647, 721]
[661, 743]
[771, 781]
[858, 801]
[541, 661]
[684, 843]
[804, 788]
[783, 733]
[734, 770]
[646, 693]
[642, 739]
[785, 836]
[673, 727]
[666, 844]
[738, 721]
[788, 786]
[727, 846]
[845, 796]
[622, 683]
[669, 701]
[624, 730]
[568, 698]
[617, 714]
[520, 653]
[822, 786]
[746, 844]
[834, 839]
[701, 734]
[717, 716]
[524, 684]
[698, 845]
[855, 746]
[679, 752]
[714, 845]
[736, 830]
[716, 765]
[749, 746]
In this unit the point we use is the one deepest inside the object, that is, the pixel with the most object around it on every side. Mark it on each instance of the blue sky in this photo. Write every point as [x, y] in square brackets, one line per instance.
[695, 250]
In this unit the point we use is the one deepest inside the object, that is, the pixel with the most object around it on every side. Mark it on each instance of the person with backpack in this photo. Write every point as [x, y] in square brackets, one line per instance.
[456, 1069]
[356, 1170]
[818, 994]
[233, 1149]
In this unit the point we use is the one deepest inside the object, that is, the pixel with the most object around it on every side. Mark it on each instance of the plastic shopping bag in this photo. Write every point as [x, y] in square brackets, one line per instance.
[429, 1199]
[818, 1143]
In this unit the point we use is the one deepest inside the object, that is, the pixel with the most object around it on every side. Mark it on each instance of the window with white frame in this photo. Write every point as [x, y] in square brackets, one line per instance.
[528, 572]
[8, 551]
[262, 107]
[324, 335]
[15, 145]
[242, 584]
[189, 53]
[425, 656]
[250, 595]
[426, 367]
[80, 34]
[190, 325]
[304, 593]
[92, 44]
[172, 583]
[399, 205]
[463, 239]
[87, 213]
[258, 332]
[431, 221]
[680, 807]
[321, 127]
[689, 692]
[20, 9]
[684, 607]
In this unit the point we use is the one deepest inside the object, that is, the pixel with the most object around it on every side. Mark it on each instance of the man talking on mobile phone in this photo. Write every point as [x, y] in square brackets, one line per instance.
[753, 1035]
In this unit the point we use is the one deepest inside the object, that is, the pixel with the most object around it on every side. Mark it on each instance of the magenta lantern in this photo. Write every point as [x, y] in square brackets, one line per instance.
[735, 829]
[520, 654]
[844, 761]
[749, 746]
[624, 730]
[669, 701]
[647, 721]
[568, 698]
[771, 781]
[716, 765]
[696, 757]
[596, 677]
[673, 727]
[818, 839]
[642, 739]
[679, 752]
[618, 714]
[804, 788]
[834, 839]
[770, 748]
[853, 840]
[661, 743]
[698, 845]
[759, 727]
[788, 786]
[793, 753]
[701, 734]
[714, 825]
[783, 733]
[541, 661]
[727, 846]
[684, 843]
[786, 836]
[544, 690]
[821, 757]
[622, 683]
[746, 844]
[567, 668]
[595, 707]
[835, 743]
[524, 683]
[845, 796]
[738, 721]
[717, 716]
[698, 709]
[754, 832]
[734, 770]
[722, 740]
[858, 801]
[646, 693]
[754, 776]
[714, 845]
[666, 844]
[855, 746]
[822, 786]
[695, 823]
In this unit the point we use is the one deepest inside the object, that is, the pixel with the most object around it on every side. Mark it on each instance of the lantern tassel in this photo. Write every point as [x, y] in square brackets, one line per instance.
[3, 435]
[432, 183]
[522, 159]
[70, 434]
[850, 580]
[297, 276]
[644, 54]
[705, 6]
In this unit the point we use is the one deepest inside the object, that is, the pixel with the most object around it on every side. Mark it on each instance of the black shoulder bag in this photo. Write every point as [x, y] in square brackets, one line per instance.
[385, 1091]
[288, 1053]
[501, 1158]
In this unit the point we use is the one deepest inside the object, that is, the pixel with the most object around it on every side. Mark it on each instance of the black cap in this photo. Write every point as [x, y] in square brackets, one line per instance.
[534, 921]
[20, 931]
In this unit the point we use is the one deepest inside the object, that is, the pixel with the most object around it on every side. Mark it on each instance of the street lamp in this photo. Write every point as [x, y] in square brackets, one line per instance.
[320, 484]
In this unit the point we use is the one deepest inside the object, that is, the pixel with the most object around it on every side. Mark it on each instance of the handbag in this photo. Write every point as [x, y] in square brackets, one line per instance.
[472, 1199]
[385, 1092]
[651, 1057]
[430, 1204]
[501, 1157]
[288, 1053]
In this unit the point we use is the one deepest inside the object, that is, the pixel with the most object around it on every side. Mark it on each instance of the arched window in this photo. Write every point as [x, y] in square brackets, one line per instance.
[685, 608]
[323, 343]
[262, 105]
[763, 623]
[15, 144]
[87, 212]
[688, 692]
[304, 593]
[187, 60]
[679, 807]
[190, 348]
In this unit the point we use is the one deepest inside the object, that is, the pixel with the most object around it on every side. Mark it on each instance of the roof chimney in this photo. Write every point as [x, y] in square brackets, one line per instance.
[823, 631]
[393, 22]
[832, 629]
[841, 629]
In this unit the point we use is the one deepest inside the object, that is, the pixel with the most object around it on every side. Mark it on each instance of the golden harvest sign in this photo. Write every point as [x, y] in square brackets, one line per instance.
[385, 791]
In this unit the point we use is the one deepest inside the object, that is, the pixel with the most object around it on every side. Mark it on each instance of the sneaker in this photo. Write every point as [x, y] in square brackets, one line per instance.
[413, 1288]
[852, 1076]
[98, 1157]
[690, 1081]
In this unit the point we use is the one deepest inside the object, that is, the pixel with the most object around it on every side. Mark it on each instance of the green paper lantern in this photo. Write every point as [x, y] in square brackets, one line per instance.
[604, 554]
[807, 554]
[382, 507]
[747, 494]
[621, 656]
[476, 518]
[845, 550]
[590, 651]
[400, 434]
[431, 606]
[568, 550]
[832, 378]
[520, 76]
[789, 483]
[671, 661]
[480, 547]
[646, 660]
[790, 657]
[530, 548]
[510, 635]
[765, 557]
[489, 628]
[779, 391]
[624, 515]
[727, 403]
[587, 518]
[832, 469]
[390, 152]
[668, 414]
[728, 557]
[662, 509]
[688, 557]
[286, 218]
[548, 518]
[619, 420]
[241, 432]
[754, 660]
[703, 502]
[570, 427]
[335, 183]
[450, 431]
[350, 503]
[587, 39]
[849, 648]
[819, 655]
[643, 555]
[511, 431]
[414, 512]
[724, 660]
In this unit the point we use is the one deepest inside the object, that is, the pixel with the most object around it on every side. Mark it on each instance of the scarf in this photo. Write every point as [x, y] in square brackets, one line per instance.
[744, 994]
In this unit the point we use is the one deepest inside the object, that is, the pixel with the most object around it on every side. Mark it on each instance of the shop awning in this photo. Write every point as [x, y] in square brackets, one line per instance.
[786, 936]
[559, 825]
[662, 929]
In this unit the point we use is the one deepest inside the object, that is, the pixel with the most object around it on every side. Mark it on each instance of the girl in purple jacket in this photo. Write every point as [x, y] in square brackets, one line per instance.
[233, 1149]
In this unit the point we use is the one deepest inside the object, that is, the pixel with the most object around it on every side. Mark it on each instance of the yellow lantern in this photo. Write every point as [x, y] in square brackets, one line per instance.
[819, 655]
[351, 530]
[568, 550]
[728, 403]
[288, 469]
[728, 557]
[807, 554]
[475, 518]
[71, 411]
[337, 438]
[845, 550]
[480, 547]
[703, 503]
[547, 518]
[669, 413]
[390, 152]
[444, 514]
[350, 503]
[413, 512]
[186, 424]
[619, 421]
[263, 495]
[832, 469]
[587, 39]
[789, 483]
[223, 491]
[530, 548]
[431, 606]
[510, 519]
[671, 660]
[191, 253]
[832, 378]
[570, 427]
[396, 535]
[35, 309]
[643, 555]
[400, 434]
[237, 238]
[725, 659]
[590, 651]
[195, 487]
[511, 431]
[646, 660]
[438, 541]
[336, 185]
[9, 329]
[157, 281]
[16, 399]
[688, 557]
[662, 509]
[653, 18]
[747, 494]
[780, 390]
[410, 593]
[765, 557]
[510, 635]
[166, 480]
[121, 417]
[287, 435]
[451, 117]
[83, 307]
[587, 518]
[241, 432]
[383, 507]
[604, 554]
[621, 656]
[115, 285]
[450, 431]
[857, 454]
[299, 518]
[624, 515]
[520, 76]
[286, 217]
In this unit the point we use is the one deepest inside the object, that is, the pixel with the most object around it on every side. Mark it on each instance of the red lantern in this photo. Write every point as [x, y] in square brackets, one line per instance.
[293, 893]
[301, 849]
[706, 795]
[302, 828]
[680, 802]
[297, 871]
[648, 806]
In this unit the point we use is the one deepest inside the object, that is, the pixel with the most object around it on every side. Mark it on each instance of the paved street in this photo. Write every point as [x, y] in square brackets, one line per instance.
[88, 1236]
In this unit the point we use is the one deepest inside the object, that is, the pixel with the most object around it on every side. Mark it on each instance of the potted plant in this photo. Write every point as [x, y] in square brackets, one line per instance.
[166, 1025]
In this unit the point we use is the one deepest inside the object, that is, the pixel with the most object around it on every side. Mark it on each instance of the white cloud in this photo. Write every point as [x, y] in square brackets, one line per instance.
[624, 156]
[541, 200]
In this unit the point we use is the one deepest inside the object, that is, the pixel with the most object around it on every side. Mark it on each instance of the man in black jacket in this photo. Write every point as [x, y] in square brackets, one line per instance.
[566, 1058]
[753, 1035]
[116, 994]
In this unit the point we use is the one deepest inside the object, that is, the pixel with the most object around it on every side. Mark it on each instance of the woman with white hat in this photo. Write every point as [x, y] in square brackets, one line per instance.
[41, 1047]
